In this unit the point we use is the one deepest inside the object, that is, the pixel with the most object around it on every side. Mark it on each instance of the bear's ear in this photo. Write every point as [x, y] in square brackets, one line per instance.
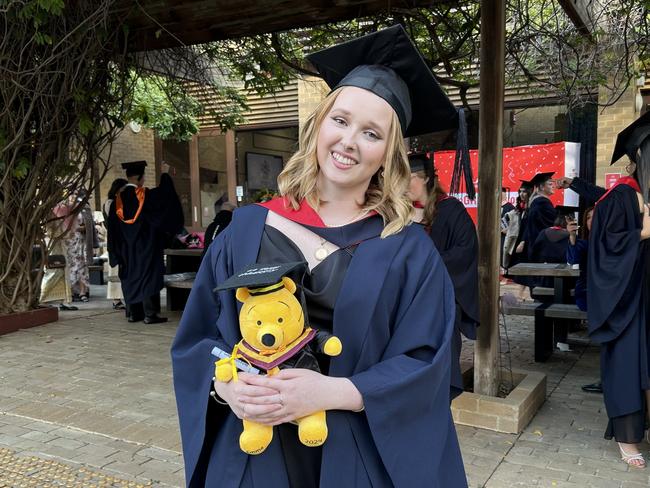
[242, 294]
[289, 284]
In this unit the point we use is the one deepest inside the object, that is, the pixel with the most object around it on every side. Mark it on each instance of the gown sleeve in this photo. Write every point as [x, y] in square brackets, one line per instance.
[614, 247]
[591, 193]
[457, 244]
[113, 237]
[410, 385]
[192, 362]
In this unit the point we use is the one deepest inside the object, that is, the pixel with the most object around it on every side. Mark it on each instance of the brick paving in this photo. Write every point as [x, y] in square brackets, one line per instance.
[87, 401]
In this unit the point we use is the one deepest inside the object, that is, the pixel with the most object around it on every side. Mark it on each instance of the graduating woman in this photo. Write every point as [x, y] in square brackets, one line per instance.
[618, 293]
[374, 281]
[454, 235]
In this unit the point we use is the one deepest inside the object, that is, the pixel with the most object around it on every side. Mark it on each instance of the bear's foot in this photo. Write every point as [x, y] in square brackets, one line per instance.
[255, 438]
[312, 430]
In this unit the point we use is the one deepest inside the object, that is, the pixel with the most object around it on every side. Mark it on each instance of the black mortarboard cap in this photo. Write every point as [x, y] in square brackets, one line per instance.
[388, 64]
[629, 139]
[542, 177]
[566, 210]
[259, 276]
[134, 168]
[526, 184]
[421, 162]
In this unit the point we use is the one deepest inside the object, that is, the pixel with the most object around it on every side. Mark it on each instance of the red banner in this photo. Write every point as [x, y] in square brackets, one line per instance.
[519, 163]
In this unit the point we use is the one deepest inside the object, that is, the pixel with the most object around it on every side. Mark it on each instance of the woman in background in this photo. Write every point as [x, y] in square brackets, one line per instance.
[114, 288]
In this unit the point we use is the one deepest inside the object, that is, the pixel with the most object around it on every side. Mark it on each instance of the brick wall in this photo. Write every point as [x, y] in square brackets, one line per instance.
[130, 146]
[612, 120]
[311, 91]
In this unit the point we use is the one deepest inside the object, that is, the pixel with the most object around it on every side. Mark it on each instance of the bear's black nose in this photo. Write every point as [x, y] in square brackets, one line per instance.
[268, 340]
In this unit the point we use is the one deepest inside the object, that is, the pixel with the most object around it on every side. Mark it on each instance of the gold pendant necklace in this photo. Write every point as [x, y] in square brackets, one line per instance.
[321, 252]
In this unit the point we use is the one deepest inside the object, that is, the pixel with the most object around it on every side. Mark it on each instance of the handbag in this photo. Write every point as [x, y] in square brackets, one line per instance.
[55, 261]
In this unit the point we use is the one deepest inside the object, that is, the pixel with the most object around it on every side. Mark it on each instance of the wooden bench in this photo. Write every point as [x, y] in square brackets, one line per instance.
[545, 315]
[544, 291]
[178, 289]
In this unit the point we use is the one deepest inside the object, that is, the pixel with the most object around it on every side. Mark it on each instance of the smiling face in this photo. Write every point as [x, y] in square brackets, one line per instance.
[352, 140]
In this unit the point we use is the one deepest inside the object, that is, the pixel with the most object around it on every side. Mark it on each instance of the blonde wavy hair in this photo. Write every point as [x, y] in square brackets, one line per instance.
[386, 193]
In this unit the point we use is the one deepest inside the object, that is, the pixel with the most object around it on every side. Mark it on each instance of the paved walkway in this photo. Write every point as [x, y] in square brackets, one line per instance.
[87, 401]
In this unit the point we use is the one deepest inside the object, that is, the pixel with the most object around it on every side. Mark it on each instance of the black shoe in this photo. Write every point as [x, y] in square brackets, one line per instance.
[135, 319]
[593, 388]
[119, 306]
[64, 308]
[155, 319]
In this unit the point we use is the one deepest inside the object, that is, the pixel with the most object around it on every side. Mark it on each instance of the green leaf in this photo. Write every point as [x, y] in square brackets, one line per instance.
[86, 125]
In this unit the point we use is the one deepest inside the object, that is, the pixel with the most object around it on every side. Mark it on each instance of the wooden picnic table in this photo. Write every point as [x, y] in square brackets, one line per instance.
[559, 271]
[544, 269]
[180, 261]
[548, 315]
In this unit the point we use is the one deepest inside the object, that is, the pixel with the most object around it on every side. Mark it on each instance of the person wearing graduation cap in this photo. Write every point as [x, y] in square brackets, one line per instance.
[541, 213]
[139, 223]
[454, 235]
[618, 293]
[513, 249]
[373, 280]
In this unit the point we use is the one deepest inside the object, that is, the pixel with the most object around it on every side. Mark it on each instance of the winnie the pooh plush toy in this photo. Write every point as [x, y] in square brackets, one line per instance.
[274, 337]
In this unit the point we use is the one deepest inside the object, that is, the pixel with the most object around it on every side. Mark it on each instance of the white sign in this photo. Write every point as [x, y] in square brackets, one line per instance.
[239, 191]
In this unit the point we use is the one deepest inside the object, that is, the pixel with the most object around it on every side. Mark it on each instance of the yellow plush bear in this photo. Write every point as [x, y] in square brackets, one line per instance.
[274, 336]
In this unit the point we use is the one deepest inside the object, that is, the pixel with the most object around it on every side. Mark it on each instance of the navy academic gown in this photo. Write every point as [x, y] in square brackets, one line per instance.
[394, 316]
[454, 235]
[617, 313]
[541, 215]
[138, 248]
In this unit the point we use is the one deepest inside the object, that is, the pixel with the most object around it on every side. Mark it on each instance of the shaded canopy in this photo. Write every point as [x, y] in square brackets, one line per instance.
[160, 24]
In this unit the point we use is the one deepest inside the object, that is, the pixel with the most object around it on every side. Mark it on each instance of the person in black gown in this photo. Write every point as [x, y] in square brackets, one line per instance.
[373, 280]
[540, 214]
[139, 222]
[551, 246]
[506, 208]
[618, 293]
[516, 252]
[454, 235]
[221, 220]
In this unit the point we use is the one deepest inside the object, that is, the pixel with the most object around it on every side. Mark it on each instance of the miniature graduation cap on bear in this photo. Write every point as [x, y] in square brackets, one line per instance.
[259, 276]
[388, 64]
[134, 168]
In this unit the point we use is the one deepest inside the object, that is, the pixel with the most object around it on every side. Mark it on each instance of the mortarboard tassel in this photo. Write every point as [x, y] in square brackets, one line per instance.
[462, 163]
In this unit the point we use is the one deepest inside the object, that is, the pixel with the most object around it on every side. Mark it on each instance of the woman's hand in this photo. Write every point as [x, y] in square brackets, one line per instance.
[301, 392]
[234, 392]
[572, 226]
[520, 247]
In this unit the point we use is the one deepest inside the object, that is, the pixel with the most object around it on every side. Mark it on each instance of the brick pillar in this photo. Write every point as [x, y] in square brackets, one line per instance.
[311, 91]
[611, 121]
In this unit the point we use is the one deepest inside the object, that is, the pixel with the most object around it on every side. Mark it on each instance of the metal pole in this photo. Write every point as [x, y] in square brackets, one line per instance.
[486, 352]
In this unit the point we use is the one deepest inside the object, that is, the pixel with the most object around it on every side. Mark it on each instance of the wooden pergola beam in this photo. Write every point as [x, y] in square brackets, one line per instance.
[579, 13]
[161, 24]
